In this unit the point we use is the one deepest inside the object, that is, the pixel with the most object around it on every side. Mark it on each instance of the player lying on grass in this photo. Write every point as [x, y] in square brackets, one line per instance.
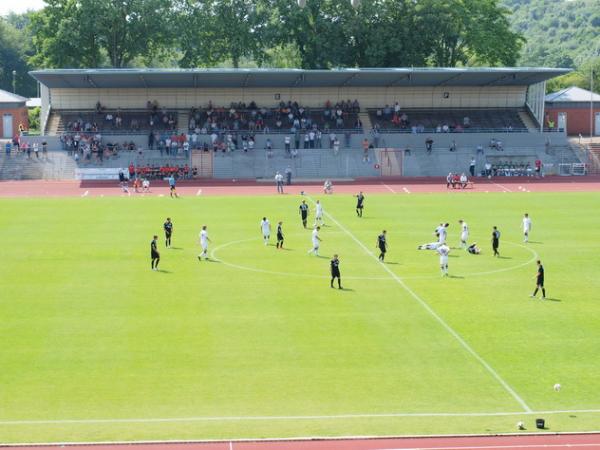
[430, 246]
[473, 249]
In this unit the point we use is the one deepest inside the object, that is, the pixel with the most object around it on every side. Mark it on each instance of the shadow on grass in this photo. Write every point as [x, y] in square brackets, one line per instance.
[164, 271]
[504, 257]
[534, 242]
[455, 276]
[550, 299]
[176, 248]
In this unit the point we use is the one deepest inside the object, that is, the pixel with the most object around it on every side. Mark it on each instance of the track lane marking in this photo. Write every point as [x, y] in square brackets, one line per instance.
[435, 315]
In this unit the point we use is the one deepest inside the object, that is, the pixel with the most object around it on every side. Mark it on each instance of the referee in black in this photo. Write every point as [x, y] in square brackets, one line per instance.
[539, 283]
[335, 271]
[154, 254]
[304, 212]
[495, 241]
[382, 245]
[360, 200]
[279, 235]
[168, 227]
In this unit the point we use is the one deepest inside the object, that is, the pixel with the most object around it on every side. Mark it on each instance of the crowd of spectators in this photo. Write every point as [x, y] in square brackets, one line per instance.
[284, 117]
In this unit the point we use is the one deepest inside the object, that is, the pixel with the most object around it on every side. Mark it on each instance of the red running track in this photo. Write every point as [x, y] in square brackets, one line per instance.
[401, 186]
[507, 442]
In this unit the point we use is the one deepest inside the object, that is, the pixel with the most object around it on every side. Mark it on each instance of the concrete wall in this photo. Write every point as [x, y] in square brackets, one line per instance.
[415, 97]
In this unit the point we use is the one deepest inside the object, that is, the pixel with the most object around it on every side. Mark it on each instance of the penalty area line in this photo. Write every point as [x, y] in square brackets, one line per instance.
[389, 188]
[435, 315]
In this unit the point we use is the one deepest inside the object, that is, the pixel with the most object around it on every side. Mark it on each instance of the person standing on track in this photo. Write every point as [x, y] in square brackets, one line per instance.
[382, 245]
[168, 227]
[539, 283]
[304, 212]
[360, 204]
[495, 241]
[335, 271]
[280, 235]
[172, 188]
[526, 227]
[265, 228]
[154, 254]
[204, 240]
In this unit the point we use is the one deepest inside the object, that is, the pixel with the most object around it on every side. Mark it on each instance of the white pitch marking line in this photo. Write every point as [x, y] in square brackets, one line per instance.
[437, 317]
[501, 186]
[389, 188]
[230, 445]
[199, 192]
[85, 194]
[405, 190]
[267, 418]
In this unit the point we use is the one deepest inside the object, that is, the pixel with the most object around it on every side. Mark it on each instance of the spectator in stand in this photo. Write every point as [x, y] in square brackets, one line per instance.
[488, 169]
[472, 167]
[449, 180]
[287, 141]
[429, 145]
[463, 180]
[131, 170]
[453, 146]
[466, 122]
[365, 146]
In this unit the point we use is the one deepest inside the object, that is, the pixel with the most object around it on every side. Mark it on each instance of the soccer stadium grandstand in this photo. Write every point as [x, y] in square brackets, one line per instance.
[250, 123]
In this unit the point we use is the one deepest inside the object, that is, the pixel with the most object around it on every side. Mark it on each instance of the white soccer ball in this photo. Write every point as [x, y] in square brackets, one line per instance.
[520, 425]
[557, 387]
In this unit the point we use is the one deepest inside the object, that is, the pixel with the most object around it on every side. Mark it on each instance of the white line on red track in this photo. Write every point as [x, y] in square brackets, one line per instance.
[85, 194]
[389, 188]
[504, 188]
[405, 189]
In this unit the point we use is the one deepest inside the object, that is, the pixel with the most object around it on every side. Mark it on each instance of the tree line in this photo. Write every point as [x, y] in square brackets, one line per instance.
[264, 33]
[322, 34]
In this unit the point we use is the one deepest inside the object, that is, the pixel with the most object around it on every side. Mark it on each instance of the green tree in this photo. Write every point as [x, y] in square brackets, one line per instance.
[213, 31]
[66, 35]
[91, 33]
[14, 53]
[469, 32]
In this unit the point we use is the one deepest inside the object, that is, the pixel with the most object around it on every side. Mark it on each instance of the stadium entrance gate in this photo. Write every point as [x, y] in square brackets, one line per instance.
[390, 162]
[203, 162]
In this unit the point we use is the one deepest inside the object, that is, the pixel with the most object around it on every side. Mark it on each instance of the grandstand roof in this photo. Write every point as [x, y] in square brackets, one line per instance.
[572, 94]
[287, 78]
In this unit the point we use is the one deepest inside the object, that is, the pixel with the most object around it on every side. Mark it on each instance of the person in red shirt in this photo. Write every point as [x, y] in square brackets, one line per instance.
[131, 171]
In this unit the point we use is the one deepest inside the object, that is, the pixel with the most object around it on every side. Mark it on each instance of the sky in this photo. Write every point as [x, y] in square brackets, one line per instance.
[19, 6]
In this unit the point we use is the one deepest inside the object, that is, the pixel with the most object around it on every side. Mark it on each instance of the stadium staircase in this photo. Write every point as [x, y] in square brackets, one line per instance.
[53, 124]
[594, 159]
[58, 166]
[528, 121]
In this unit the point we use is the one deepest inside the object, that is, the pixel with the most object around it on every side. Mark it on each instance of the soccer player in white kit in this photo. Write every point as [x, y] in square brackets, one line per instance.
[265, 227]
[319, 214]
[442, 232]
[526, 227]
[204, 240]
[464, 233]
[316, 240]
[443, 251]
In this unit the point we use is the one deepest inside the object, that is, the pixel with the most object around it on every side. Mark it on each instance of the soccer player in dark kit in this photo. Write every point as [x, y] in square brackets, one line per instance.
[539, 283]
[495, 241]
[279, 235]
[335, 271]
[304, 212]
[360, 200]
[168, 227]
[154, 254]
[382, 245]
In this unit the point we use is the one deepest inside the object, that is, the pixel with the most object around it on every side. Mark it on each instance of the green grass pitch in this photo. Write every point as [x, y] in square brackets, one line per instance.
[96, 347]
